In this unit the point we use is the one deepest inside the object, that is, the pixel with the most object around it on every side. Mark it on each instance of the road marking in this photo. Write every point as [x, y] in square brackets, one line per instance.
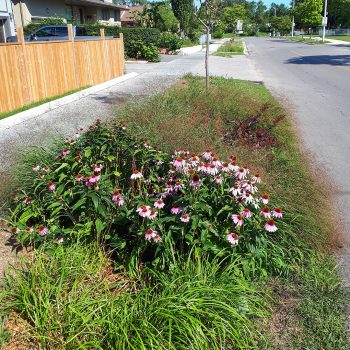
[296, 53]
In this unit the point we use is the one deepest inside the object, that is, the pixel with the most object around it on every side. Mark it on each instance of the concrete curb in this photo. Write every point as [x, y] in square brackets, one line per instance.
[184, 51]
[245, 49]
[46, 107]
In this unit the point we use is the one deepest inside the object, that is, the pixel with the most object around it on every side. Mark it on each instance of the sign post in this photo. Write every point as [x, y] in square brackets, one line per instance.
[324, 21]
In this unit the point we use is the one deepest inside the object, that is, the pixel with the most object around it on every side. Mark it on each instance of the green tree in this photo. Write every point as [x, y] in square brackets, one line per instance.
[183, 11]
[281, 24]
[308, 14]
[232, 14]
[339, 13]
[164, 18]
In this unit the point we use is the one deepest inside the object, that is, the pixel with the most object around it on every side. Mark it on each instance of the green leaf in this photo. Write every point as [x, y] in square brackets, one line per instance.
[61, 167]
[99, 226]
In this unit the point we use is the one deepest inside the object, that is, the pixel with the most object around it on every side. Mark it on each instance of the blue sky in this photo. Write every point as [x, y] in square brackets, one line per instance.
[268, 2]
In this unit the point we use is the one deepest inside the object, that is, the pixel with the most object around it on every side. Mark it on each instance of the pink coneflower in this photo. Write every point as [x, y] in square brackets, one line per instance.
[36, 167]
[136, 175]
[88, 182]
[176, 209]
[65, 152]
[42, 230]
[115, 196]
[79, 178]
[240, 173]
[156, 238]
[246, 213]
[218, 179]
[159, 204]
[179, 162]
[98, 168]
[213, 170]
[29, 229]
[265, 212]
[120, 201]
[235, 190]
[150, 234]
[177, 186]
[185, 218]
[270, 226]
[207, 155]
[51, 186]
[46, 169]
[237, 219]
[246, 169]
[153, 214]
[233, 166]
[15, 230]
[27, 200]
[232, 238]
[256, 178]
[144, 211]
[248, 198]
[265, 198]
[225, 167]
[277, 213]
[196, 181]
[95, 178]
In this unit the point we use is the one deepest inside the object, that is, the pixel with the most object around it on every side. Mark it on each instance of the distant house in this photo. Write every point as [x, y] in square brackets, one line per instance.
[79, 11]
[7, 23]
[127, 17]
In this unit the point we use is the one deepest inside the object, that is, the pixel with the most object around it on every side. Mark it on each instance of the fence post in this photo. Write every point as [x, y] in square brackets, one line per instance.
[102, 33]
[70, 32]
[122, 58]
[20, 36]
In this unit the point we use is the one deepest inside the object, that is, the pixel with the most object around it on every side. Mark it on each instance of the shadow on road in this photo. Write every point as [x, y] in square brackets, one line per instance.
[332, 60]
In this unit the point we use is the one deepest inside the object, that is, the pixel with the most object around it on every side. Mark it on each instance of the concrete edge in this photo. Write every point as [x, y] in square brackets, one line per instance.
[245, 48]
[19, 118]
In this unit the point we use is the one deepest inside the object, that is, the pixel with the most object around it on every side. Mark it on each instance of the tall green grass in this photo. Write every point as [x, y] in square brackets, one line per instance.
[71, 300]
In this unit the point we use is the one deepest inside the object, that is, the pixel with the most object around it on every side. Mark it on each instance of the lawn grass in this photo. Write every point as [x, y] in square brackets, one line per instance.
[82, 304]
[39, 103]
[243, 119]
[307, 40]
[339, 37]
[230, 49]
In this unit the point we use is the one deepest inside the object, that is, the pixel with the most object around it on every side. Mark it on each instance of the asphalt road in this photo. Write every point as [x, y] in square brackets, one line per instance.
[314, 82]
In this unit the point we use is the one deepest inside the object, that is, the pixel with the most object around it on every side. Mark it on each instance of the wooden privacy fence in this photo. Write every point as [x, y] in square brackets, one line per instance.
[33, 71]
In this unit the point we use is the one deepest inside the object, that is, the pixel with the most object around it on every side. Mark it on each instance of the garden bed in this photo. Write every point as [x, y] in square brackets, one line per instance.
[190, 267]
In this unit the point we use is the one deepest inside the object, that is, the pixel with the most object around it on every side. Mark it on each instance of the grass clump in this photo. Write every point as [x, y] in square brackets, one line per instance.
[70, 299]
[230, 49]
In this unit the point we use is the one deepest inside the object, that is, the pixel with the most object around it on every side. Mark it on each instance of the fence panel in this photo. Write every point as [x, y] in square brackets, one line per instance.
[30, 72]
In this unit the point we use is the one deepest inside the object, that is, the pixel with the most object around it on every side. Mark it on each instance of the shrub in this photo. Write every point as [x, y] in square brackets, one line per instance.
[147, 204]
[138, 49]
[218, 33]
[170, 41]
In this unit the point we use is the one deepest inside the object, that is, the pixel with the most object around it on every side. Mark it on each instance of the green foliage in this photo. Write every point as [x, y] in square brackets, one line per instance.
[70, 298]
[231, 48]
[282, 24]
[42, 22]
[339, 13]
[164, 18]
[139, 49]
[232, 14]
[170, 41]
[183, 11]
[218, 33]
[308, 13]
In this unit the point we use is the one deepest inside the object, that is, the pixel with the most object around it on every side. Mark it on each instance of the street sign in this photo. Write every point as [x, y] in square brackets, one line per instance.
[324, 21]
[239, 26]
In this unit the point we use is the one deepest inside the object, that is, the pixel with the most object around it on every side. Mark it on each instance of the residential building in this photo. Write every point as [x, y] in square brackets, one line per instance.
[128, 16]
[7, 24]
[79, 11]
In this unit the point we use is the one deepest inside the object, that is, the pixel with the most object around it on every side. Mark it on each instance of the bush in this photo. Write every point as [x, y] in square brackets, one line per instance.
[218, 33]
[170, 41]
[146, 204]
[138, 49]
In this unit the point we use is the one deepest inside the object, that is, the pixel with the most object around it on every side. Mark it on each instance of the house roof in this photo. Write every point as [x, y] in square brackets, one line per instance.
[99, 3]
[128, 16]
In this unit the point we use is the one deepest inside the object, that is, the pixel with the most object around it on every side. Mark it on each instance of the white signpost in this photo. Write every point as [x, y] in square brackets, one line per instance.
[239, 26]
[324, 21]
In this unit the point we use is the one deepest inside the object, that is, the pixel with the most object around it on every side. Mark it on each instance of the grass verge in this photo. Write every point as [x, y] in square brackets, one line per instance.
[230, 49]
[339, 37]
[307, 40]
[39, 103]
[198, 305]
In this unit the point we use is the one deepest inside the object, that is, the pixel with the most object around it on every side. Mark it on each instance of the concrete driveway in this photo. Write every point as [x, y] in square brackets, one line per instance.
[314, 81]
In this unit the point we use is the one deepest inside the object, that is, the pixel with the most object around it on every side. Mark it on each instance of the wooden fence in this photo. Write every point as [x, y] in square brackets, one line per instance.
[32, 71]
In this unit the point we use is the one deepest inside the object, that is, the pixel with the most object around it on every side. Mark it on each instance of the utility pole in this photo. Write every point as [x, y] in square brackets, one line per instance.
[293, 21]
[324, 21]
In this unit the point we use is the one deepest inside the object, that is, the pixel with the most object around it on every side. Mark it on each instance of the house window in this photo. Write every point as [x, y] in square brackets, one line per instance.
[69, 13]
[105, 15]
[116, 15]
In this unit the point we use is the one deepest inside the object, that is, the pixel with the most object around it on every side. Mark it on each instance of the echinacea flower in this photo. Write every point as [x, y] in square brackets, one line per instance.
[225, 167]
[153, 214]
[240, 173]
[270, 226]
[29, 229]
[27, 200]
[179, 162]
[256, 178]
[235, 190]
[218, 179]
[246, 213]
[152, 234]
[265, 198]
[15, 230]
[207, 155]
[115, 196]
[36, 167]
[51, 186]
[136, 175]
[237, 219]
[185, 218]
[43, 230]
[277, 213]
[144, 211]
[120, 201]
[159, 204]
[46, 169]
[156, 238]
[98, 168]
[196, 181]
[232, 238]
[79, 178]
[65, 152]
[176, 209]
[265, 212]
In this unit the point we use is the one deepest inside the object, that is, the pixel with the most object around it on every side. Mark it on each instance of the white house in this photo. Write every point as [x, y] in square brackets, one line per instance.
[7, 23]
